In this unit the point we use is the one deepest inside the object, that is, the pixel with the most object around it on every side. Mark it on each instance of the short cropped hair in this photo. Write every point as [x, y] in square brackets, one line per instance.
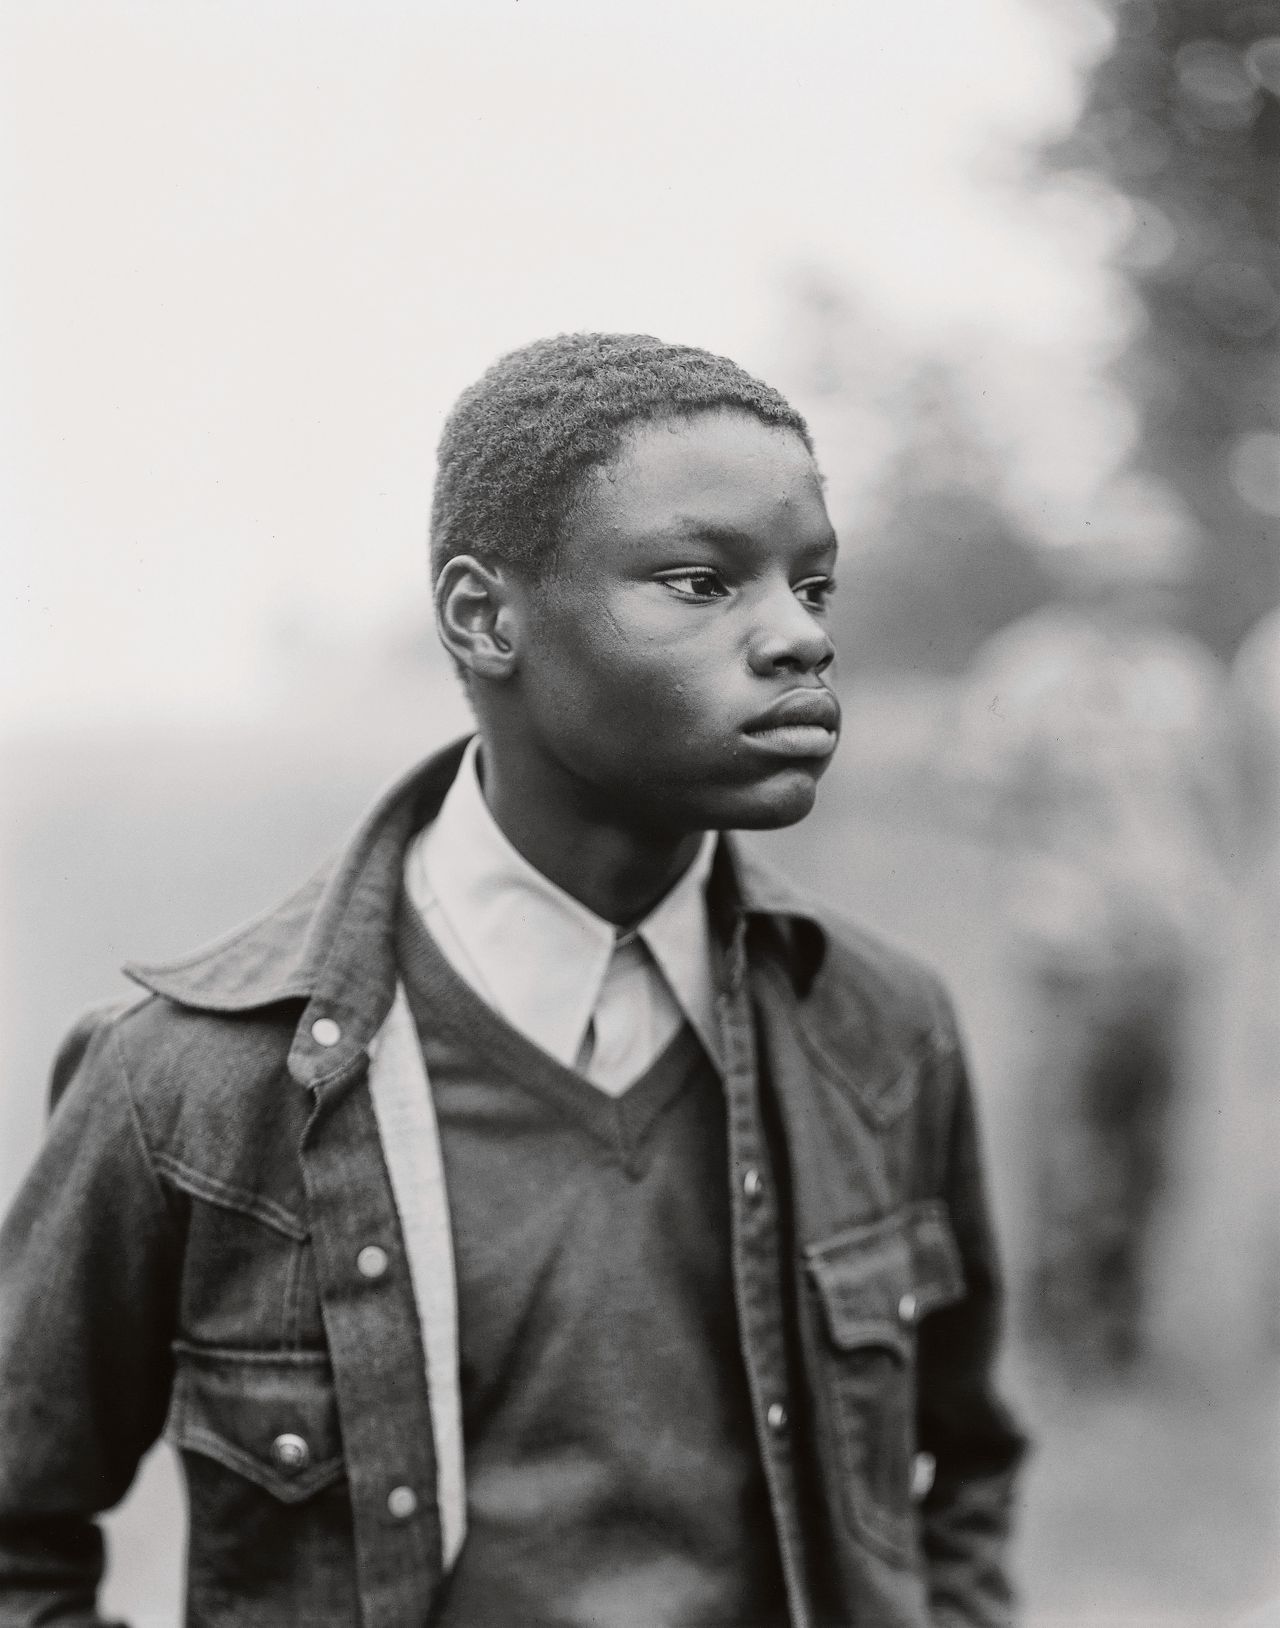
[519, 442]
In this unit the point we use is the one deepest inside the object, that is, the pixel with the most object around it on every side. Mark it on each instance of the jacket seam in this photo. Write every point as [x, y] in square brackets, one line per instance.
[139, 1133]
[228, 1005]
[210, 1444]
[949, 1061]
[229, 1197]
[251, 1356]
[882, 1106]
[891, 1225]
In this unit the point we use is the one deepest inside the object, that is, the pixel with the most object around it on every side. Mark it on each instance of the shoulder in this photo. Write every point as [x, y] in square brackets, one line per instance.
[184, 1075]
[871, 1016]
[877, 1026]
[906, 995]
[830, 954]
[82, 1041]
[187, 1103]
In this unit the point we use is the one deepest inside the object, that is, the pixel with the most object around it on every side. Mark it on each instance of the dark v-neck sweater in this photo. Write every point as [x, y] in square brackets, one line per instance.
[613, 1477]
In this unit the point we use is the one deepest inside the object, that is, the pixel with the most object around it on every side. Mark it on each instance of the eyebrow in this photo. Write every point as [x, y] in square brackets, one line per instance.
[697, 531]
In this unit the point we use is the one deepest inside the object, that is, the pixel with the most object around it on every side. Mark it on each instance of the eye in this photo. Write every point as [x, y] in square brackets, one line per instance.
[815, 592]
[697, 586]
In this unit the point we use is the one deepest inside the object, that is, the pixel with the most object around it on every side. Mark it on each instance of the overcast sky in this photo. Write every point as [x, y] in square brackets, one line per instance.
[251, 251]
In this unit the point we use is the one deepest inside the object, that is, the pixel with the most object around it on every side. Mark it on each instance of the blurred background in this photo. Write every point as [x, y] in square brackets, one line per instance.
[1018, 262]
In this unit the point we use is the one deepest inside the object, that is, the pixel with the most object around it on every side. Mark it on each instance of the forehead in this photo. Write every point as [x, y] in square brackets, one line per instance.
[722, 470]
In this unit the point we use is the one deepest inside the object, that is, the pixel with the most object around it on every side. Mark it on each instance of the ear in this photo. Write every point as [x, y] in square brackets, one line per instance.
[477, 615]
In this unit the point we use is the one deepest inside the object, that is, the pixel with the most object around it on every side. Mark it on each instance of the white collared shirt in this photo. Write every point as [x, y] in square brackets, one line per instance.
[556, 971]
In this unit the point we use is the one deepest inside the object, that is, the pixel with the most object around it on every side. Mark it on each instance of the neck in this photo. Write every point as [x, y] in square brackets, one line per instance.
[619, 873]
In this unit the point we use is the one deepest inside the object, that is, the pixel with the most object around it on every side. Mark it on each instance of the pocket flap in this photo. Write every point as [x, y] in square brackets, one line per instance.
[271, 1416]
[879, 1279]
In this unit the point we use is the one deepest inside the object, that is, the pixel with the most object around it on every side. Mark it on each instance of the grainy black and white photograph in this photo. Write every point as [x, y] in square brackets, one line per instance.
[640, 814]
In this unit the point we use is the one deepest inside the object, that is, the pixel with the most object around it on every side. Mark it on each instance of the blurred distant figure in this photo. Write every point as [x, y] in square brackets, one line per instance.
[1255, 696]
[1089, 751]
[1255, 714]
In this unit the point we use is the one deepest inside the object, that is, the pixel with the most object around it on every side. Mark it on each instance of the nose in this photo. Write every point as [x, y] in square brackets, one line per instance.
[789, 638]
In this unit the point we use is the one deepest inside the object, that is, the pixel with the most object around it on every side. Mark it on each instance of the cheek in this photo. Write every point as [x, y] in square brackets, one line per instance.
[632, 666]
[639, 690]
[678, 686]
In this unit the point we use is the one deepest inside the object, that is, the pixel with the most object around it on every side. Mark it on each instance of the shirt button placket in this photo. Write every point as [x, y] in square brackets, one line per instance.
[757, 1276]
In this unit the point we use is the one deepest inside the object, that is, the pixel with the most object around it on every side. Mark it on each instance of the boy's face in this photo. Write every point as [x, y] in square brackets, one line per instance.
[672, 659]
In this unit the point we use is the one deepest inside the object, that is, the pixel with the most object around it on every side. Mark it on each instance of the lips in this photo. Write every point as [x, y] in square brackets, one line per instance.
[817, 709]
[800, 724]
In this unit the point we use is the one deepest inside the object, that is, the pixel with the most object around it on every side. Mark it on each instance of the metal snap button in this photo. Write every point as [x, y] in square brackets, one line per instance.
[291, 1453]
[325, 1032]
[907, 1308]
[371, 1262]
[776, 1416]
[402, 1502]
[924, 1467]
[753, 1183]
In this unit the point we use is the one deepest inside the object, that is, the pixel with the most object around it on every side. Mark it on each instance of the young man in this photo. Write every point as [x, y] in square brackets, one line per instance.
[545, 1216]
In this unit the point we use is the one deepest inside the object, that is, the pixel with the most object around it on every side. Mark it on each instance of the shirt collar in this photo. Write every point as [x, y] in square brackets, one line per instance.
[537, 954]
[330, 946]
[677, 933]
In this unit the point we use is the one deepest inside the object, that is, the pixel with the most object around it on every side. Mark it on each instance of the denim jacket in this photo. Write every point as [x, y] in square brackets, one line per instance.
[236, 1236]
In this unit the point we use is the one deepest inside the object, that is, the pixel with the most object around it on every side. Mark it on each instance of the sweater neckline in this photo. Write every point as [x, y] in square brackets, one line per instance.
[444, 1004]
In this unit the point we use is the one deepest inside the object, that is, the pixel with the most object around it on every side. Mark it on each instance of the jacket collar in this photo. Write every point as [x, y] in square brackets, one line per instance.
[329, 945]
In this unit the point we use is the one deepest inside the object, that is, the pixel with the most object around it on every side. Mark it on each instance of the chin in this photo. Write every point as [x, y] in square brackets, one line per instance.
[782, 800]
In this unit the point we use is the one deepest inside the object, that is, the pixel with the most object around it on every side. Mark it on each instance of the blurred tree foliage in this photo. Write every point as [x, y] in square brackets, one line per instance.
[933, 560]
[946, 564]
[1182, 117]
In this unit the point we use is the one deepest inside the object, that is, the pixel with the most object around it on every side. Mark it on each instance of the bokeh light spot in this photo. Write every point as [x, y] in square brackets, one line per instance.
[1152, 240]
[1239, 300]
[1262, 60]
[1213, 79]
[1255, 470]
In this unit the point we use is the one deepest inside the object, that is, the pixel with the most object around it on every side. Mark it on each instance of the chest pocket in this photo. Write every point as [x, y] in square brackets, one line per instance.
[269, 1416]
[873, 1285]
[261, 1449]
